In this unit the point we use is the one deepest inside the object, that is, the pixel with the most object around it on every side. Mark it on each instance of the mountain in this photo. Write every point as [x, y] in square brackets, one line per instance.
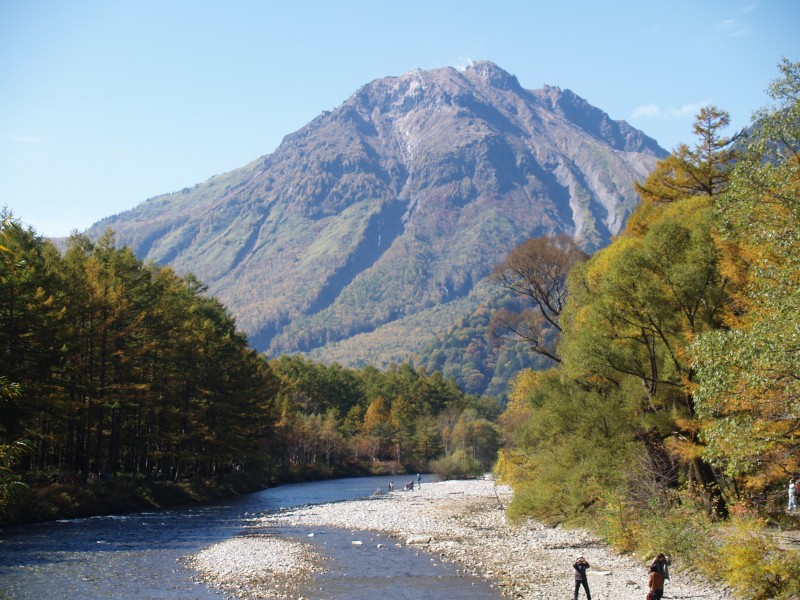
[367, 233]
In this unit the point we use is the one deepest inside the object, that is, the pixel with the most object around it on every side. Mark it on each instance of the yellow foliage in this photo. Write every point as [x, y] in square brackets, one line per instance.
[686, 425]
[511, 467]
[753, 564]
[518, 410]
[376, 414]
[684, 449]
[604, 260]
[521, 385]
[639, 221]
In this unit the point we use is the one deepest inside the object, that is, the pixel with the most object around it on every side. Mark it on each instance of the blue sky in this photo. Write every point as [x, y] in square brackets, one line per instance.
[105, 104]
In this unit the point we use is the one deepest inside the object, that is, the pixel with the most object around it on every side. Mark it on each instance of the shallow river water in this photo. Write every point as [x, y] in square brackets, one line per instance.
[139, 555]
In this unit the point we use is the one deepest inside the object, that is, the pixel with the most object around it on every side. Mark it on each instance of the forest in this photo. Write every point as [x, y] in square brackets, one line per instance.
[668, 421]
[122, 378]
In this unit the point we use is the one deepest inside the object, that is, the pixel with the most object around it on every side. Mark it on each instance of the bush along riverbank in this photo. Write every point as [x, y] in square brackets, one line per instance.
[74, 497]
[103, 496]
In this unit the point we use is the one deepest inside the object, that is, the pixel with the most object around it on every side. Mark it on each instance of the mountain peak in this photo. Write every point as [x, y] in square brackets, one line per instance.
[493, 75]
[393, 208]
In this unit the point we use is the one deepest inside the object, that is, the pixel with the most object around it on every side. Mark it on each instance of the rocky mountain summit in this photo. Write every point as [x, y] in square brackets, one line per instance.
[380, 218]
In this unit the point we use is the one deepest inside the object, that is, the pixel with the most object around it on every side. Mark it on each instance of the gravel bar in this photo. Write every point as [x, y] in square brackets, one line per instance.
[458, 521]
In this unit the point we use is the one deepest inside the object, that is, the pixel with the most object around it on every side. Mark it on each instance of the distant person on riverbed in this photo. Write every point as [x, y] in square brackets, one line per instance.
[661, 563]
[419, 481]
[655, 583]
[580, 577]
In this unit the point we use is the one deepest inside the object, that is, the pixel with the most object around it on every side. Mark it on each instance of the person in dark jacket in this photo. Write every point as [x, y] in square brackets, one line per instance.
[580, 577]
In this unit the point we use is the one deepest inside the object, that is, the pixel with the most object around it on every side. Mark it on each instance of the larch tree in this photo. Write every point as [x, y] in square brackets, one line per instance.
[702, 170]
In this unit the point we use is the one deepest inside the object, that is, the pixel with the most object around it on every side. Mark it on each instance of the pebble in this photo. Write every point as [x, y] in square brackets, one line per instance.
[462, 522]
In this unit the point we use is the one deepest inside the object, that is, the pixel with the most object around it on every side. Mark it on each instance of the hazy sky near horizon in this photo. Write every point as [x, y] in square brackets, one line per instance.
[105, 104]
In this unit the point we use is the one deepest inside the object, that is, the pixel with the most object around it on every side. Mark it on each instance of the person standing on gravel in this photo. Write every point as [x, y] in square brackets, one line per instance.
[580, 567]
[662, 563]
[655, 583]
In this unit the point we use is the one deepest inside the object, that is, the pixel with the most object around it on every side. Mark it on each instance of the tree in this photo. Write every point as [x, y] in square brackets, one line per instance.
[427, 439]
[699, 171]
[11, 453]
[748, 372]
[634, 309]
[536, 271]
[637, 305]
[402, 417]
[571, 446]
[479, 438]
[703, 170]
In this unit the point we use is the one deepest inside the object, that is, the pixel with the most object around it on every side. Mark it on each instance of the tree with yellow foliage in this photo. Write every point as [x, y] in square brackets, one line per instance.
[703, 170]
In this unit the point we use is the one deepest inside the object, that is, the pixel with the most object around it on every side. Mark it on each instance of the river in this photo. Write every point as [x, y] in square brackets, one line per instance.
[140, 555]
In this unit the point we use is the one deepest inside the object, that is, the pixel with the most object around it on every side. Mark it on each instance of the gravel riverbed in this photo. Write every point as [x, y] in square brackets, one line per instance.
[456, 521]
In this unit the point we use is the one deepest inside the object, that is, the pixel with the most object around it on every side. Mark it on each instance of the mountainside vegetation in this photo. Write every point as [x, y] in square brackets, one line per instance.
[369, 232]
[670, 423]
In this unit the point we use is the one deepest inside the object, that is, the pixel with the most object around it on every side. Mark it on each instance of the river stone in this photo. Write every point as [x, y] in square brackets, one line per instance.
[419, 539]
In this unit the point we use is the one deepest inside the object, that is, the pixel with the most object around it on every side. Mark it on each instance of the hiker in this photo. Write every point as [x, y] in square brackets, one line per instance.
[580, 567]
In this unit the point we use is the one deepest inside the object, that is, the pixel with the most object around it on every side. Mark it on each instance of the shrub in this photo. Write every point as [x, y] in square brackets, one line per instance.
[458, 465]
[754, 565]
[677, 526]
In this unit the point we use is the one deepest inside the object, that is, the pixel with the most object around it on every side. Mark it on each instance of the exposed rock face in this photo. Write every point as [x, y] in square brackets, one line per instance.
[399, 200]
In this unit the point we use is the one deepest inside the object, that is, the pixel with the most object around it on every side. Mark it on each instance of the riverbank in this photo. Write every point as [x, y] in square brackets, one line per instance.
[73, 497]
[456, 521]
[100, 496]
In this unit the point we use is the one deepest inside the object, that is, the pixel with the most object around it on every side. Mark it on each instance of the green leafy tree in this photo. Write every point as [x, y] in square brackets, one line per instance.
[635, 308]
[402, 418]
[479, 438]
[11, 453]
[573, 447]
[427, 439]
